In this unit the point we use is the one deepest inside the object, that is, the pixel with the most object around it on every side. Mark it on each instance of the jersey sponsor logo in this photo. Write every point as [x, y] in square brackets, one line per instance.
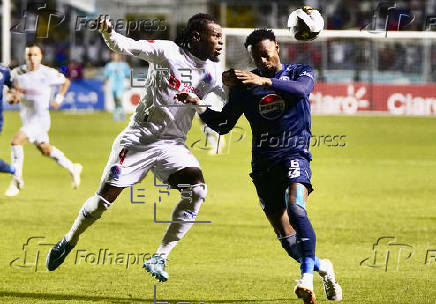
[174, 82]
[306, 73]
[294, 169]
[122, 155]
[271, 106]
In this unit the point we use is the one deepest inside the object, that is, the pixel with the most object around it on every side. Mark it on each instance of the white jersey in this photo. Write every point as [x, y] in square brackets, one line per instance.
[172, 70]
[36, 90]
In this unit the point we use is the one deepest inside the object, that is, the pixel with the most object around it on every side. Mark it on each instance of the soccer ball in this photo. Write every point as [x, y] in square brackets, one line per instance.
[305, 23]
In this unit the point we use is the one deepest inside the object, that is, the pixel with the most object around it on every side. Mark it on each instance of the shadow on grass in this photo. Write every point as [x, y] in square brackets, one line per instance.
[53, 296]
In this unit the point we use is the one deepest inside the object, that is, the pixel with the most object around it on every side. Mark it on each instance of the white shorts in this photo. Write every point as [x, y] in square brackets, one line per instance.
[35, 134]
[128, 164]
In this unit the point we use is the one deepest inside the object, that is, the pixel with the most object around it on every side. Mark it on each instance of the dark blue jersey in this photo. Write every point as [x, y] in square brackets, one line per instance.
[5, 79]
[279, 115]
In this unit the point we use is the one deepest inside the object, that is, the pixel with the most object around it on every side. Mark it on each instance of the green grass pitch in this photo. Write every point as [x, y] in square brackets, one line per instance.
[381, 184]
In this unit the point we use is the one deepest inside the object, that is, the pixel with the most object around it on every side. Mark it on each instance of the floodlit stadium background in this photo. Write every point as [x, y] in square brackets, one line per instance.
[373, 208]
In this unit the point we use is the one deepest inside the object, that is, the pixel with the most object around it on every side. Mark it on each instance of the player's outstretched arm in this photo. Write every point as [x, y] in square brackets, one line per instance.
[148, 50]
[302, 86]
[221, 122]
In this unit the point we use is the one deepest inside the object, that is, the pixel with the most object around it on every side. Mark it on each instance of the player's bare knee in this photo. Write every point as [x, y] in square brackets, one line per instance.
[188, 175]
[109, 192]
[94, 207]
[45, 149]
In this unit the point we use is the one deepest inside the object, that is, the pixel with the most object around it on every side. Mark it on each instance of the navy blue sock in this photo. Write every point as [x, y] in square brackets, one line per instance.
[306, 238]
[5, 167]
[289, 243]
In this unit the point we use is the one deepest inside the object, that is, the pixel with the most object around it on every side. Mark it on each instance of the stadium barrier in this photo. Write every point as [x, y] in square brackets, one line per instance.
[358, 97]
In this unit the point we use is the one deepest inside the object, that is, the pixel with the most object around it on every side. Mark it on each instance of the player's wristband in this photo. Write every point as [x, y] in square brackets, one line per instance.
[59, 98]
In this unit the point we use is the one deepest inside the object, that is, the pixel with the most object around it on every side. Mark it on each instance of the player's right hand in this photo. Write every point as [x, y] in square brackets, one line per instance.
[187, 98]
[104, 25]
[13, 98]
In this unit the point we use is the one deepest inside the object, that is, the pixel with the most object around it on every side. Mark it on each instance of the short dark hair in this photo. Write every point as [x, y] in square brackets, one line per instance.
[259, 35]
[29, 45]
[198, 23]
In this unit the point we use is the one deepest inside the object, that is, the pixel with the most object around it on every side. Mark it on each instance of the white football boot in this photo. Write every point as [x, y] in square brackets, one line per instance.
[15, 186]
[77, 170]
[304, 289]
[332, 289]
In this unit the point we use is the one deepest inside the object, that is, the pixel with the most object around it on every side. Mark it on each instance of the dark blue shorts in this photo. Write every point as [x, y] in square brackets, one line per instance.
[271, 182]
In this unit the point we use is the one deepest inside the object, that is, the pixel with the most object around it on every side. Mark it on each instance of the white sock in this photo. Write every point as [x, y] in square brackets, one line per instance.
[165, 249]
[17, 159]
[91, 211]
[79, 226]
[60, 158]
[186, 210]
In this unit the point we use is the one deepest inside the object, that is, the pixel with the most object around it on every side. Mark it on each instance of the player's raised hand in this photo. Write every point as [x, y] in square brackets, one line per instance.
[187, 98]
[249, 78]
[104, 25]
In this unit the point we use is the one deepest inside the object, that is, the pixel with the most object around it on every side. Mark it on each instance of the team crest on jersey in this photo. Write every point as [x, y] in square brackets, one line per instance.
[115, 172]
[271, 106]
[207, 78]
[284, 78]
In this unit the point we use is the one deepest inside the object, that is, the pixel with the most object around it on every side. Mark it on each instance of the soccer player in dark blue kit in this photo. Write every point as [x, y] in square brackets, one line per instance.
[275, 100]
[5, 79]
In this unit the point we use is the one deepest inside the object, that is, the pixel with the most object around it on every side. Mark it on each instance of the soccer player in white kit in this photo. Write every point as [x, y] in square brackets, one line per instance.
[33, 82]
[154, 139]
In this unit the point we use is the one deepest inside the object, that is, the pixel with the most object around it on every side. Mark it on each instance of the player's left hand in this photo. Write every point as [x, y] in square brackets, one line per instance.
[250, 78]
[187, 98]
[55, 105]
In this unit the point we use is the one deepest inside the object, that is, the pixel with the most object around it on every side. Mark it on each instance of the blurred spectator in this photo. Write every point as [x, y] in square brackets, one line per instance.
[77, 53]
[74, 71]
[386, 58]
[92, 53]
[115, 72]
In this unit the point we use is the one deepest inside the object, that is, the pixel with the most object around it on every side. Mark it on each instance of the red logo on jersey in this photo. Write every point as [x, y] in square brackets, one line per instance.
[151, 41]
[174, 82]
